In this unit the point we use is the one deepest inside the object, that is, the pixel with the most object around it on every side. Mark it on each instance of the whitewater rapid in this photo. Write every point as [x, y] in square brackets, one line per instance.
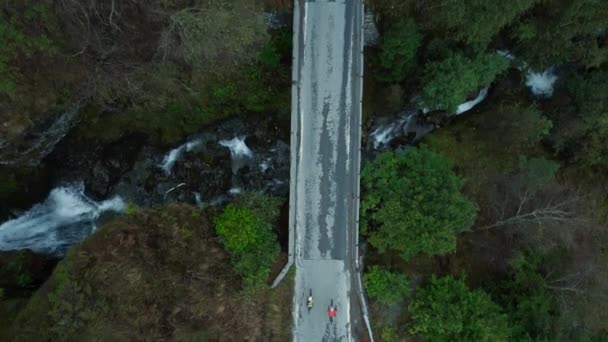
[240, 153]
[65, 218]
[176, 153]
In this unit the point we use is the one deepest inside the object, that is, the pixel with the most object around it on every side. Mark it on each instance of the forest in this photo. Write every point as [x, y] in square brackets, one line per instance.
[491, 226]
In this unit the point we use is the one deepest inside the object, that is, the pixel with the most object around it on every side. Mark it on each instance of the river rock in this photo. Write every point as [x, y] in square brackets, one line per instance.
[30, 146]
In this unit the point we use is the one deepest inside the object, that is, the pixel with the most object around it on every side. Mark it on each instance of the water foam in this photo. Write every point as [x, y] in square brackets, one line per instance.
[406, 124]
[466, 106]
[541, 84]
[66, 217]
[175, 154]
[237, 146]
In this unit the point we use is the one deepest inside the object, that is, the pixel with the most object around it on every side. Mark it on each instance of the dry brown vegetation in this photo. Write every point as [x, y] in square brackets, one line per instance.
[153, 275]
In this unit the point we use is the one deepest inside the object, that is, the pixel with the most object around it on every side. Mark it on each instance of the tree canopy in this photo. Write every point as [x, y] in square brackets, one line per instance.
[582, 128]
[560, 31]
[528, 301]
[385, 286]
[447, 83]
[398, 49]
[476, 21]
[412, 203]
[446, 310]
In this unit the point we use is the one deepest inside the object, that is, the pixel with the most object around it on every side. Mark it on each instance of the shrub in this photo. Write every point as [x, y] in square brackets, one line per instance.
[446, 310]
[269, 56]
[246, 230]
[388, 334]
[238, 229]
[385, 286]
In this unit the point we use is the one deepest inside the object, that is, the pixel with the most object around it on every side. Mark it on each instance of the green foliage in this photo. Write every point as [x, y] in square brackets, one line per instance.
[224, 97]
[559, 31]
[215, 65]
[269, 56]
[516, 128]
[582, 129]
[398, 48]
[247, 230]
[393, 10]
[385, 286]
[537, 173]
[549, 296]
[139, 270]
[447, 83]
[132, 208]
[282, 42]
[238, 229]
[476, 21]
[257, 93]
[446, 310]
[488, 144]
[412, 203]
[388, 334]
[439, 49]
[264, 207]
[20, 40]
[68, 300]
[530, 305]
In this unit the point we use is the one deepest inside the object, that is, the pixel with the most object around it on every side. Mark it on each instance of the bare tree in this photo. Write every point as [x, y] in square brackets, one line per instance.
[550, 212]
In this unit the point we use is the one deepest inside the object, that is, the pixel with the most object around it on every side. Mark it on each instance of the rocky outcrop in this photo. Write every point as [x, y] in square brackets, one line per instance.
[205, 174]
[36, 142]
[201, 171]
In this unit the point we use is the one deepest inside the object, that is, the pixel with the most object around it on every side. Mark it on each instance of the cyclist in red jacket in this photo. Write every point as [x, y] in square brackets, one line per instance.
[332, 311]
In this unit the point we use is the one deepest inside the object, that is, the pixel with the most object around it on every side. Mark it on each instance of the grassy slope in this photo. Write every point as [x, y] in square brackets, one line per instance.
[154, 275]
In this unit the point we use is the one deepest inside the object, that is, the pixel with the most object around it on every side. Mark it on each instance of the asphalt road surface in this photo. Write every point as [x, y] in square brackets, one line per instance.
[326, 115]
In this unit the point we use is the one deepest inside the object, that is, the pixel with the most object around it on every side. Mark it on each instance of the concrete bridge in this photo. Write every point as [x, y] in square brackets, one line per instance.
[325, 163]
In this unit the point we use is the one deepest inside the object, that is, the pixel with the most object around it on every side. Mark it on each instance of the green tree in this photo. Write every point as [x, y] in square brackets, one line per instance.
[385, 286]
[475, 21]
[238, 228]
[581, 133]
[398, 48]
[246, 228]
[559, 31]
[446, 310]
[412, 203]
[486, 147]
[448, 82]
[529, 303]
